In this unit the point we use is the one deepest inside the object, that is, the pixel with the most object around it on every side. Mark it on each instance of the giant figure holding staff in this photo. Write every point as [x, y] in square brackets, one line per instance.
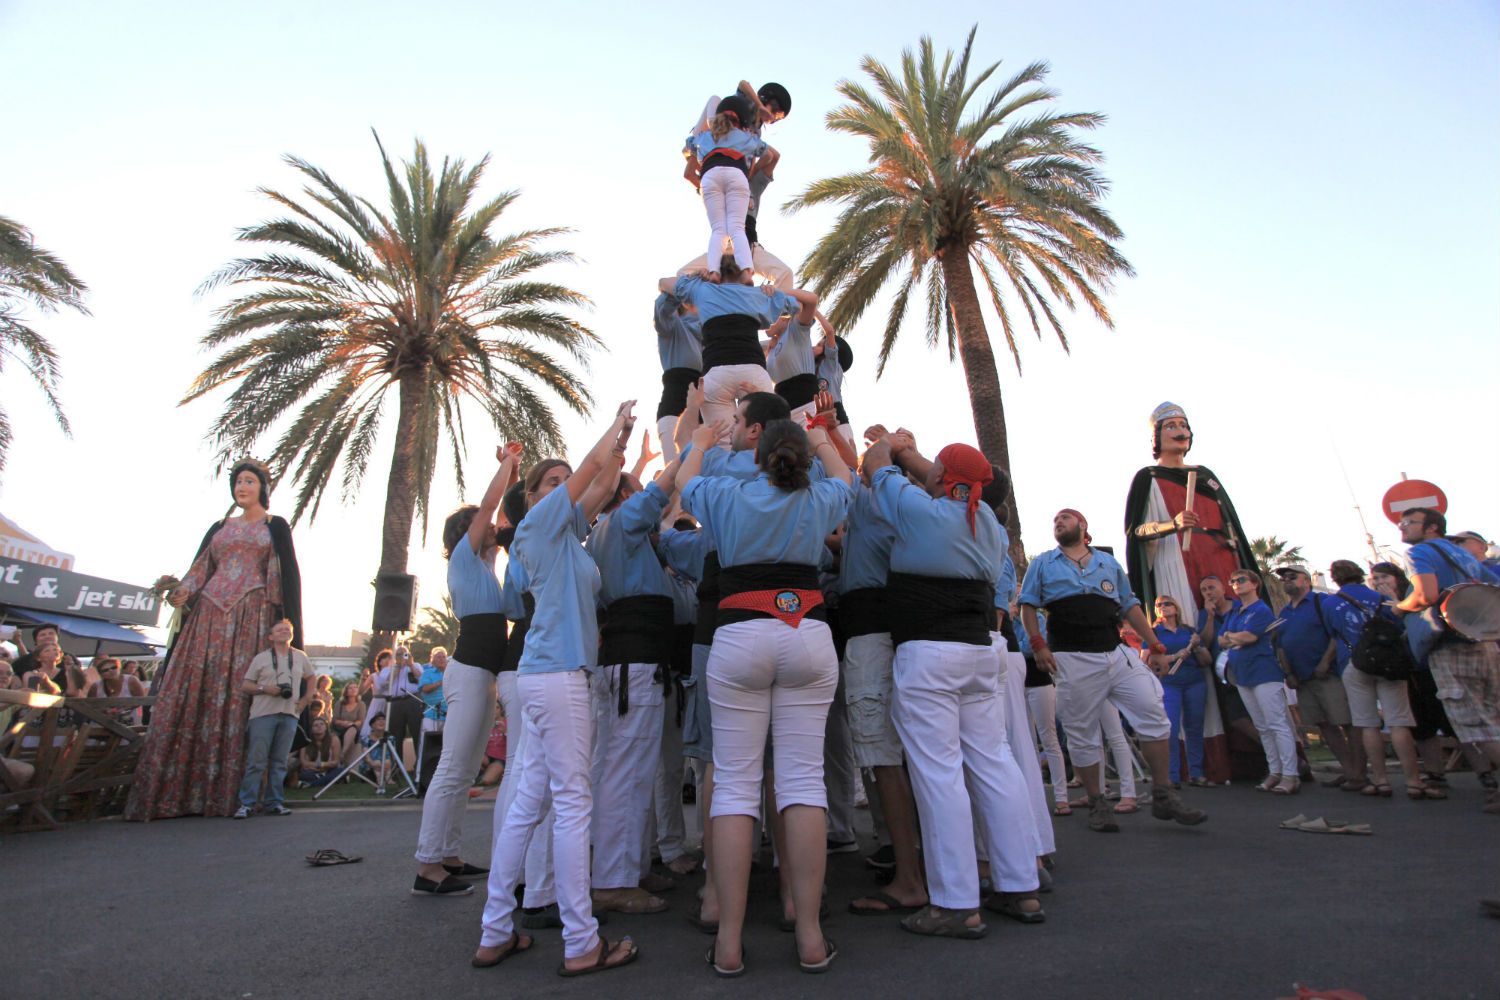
[1172, 543]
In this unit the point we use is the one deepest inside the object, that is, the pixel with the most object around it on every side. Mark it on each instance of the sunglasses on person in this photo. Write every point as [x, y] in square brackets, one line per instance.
[1239, 579]
[109, 670]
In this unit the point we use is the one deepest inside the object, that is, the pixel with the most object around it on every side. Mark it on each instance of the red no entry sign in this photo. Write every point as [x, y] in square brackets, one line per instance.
[1411, 493]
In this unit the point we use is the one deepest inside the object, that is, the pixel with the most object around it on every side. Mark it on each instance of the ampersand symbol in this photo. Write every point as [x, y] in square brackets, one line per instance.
[46, 588]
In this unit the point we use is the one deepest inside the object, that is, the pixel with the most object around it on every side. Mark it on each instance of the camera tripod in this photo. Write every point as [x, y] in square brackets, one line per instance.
[390, 761]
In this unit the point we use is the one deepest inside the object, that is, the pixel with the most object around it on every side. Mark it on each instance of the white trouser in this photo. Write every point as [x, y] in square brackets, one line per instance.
[726, 199]
[1086, 681]
[1119, 748]
[470, 695]
[765, 676]
[541, 890]
[1022, 746]
[951, 720]
[1041, 705]
[666, 429]
[626, 750]
[555, 768]
[665, 830]
[726, 385]
[1267, 706]
[767, 265]
[839, 772]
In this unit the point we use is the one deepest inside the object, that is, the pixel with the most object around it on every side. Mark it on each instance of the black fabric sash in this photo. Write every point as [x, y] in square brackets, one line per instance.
[1083, 623]
[674, 390]
[941, 609]
[863, 612]
[481, 641]
[516, 645]
[637, 630]
[719, 158]
[799, 390]
[731, 340]
[708, 601]
[751, 577]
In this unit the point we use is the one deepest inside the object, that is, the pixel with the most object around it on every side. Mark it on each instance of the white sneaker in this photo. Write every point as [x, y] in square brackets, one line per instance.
[243, 812]
[278, 810]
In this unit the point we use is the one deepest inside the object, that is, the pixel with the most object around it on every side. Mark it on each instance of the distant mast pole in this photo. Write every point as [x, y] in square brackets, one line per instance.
[1364, 525]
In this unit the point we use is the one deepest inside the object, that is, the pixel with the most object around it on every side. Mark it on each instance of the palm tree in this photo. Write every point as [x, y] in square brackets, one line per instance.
[950, 192]
[419, 297]
[30, 274]
[1273, 553]
[439, 627]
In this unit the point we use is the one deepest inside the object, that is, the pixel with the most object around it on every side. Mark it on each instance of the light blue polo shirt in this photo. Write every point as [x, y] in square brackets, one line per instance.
[729, 299]
[867, 544]
[932, 533]
[679, 337]
[621, 547]
[471, 582]
[737, 139]
[1052, 576]
[757, 522]
[564, 582]
[792, 355]
[830, 374]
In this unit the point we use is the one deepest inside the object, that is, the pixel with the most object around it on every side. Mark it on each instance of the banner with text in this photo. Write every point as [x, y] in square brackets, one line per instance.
[45, 588]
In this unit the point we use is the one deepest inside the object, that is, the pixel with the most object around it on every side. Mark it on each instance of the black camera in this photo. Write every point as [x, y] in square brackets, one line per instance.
[285, 689]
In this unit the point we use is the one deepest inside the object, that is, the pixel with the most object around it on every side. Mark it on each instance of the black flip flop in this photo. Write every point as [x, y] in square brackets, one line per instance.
[516, 947]
[893, 905]
[721, 972]
[327, 857]
[602, 965]
[830, 952]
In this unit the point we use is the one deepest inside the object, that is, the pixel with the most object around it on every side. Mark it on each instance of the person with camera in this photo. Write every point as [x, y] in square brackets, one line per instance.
[271, 681]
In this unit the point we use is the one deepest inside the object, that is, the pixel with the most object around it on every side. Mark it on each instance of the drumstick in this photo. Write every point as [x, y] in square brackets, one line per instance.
[1192, 489]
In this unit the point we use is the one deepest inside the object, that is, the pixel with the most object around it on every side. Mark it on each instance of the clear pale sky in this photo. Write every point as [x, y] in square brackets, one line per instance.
[1308, 193]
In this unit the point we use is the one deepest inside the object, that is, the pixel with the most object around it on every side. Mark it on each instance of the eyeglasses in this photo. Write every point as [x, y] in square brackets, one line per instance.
[108, 670]
[1240, 579]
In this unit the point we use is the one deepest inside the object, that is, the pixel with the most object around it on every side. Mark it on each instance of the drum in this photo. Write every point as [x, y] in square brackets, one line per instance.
[1472, 610]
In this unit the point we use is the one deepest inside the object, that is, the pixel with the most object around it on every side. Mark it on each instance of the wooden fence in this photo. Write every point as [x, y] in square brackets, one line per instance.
[84, 757]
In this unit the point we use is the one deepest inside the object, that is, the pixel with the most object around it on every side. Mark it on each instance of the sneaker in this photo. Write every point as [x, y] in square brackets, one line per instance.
[243, 812]
[278, 810]
[884, 859]
[842, 846]
[449, 886]
[1166, 805]
[1102, 815]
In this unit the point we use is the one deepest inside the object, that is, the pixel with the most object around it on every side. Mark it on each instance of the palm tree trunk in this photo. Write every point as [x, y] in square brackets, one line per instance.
[983, 380]
[401, 486]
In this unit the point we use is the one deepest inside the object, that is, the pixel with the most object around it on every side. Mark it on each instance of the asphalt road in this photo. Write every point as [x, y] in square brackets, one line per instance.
[1237, 908]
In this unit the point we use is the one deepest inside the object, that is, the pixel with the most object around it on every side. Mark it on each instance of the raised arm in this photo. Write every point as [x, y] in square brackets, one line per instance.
[509, 455]
[823, 402]
[705, 437]
[687, 422]
[904, 451]
[646, 457]
[607, 480]
[833, 461]
[595, 461]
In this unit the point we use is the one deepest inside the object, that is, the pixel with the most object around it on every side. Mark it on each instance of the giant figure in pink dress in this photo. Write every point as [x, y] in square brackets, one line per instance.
[243, 579]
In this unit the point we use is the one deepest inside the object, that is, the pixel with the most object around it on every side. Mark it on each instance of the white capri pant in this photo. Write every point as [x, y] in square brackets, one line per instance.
[555, 769]
[1365, 690]
[1267, 706]
[627, 749]
[726, 199]
[1086, 681]
[470, 694]
[765, 676]
[725, 385]
[1041, 705]
[666, 429]
[952, 725]
[1119, 744]
[541, 890]
[1022, 746]
[666, 830]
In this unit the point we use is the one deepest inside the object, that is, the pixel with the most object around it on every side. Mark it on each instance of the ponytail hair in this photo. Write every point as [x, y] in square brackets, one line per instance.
[784, 454]
[722, 124]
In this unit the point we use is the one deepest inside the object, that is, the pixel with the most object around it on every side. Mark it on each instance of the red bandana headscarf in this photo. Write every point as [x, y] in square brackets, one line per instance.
[1083, 523]
[965, 473]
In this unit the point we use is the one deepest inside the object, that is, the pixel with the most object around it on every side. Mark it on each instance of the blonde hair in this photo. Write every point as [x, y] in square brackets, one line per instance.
[439, 649]
[722, 124]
